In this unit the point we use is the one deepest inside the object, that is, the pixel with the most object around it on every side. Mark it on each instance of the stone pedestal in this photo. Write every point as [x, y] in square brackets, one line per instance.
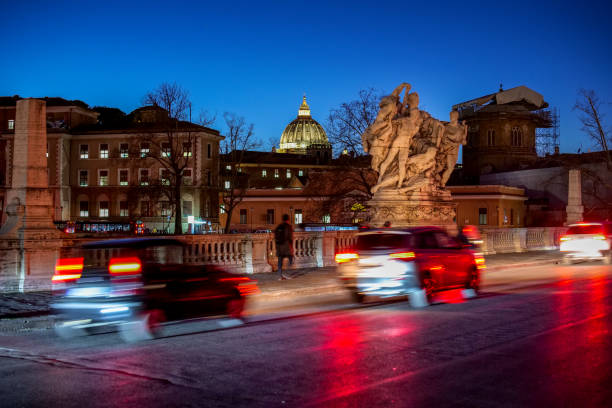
[574, 209]
[413, 209]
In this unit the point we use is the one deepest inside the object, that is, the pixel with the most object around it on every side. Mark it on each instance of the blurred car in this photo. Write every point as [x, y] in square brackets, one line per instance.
[417, 261]
[587, 241]
[137, 284]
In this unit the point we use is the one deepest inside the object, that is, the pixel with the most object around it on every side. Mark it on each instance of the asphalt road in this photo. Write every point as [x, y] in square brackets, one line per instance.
[537, 336]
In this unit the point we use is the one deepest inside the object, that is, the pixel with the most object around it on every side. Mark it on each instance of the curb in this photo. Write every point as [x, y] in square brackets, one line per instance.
[522, 265]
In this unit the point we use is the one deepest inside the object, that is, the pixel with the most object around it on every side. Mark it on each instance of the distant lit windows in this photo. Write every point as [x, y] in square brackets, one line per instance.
[11, 124]
[188, 177]
[166, 210]
[222, 208]
[124, 150]
[288, 173]
[239, 169]
[243, 216]
[517, 136]
[227, 184]
[270, 216]
[144, 149]
[143, 177]
[264, 173]
[187, 149]
[276, 173]
[300, 172]
[123, 209]
[228, 167]
[491, 137]
[482, 216]
[47, 153]
[297, 217]
[187, 208]
[103, 177]
[83, 208]
[124, 177]
[103, 208]
[326, 219]
[83, 178]
[164, 177]
[84, 151]
[104, 150]
[166, 149]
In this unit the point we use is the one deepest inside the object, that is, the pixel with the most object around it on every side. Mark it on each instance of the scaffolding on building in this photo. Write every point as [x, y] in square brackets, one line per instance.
[547, 138]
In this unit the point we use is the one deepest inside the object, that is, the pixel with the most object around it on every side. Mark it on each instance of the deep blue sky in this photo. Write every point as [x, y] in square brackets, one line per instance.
[257, 58]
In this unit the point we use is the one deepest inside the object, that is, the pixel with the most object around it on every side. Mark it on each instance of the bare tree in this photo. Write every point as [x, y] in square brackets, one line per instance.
[592, 118]
[238, 140]
[172, 143]
[346, 123]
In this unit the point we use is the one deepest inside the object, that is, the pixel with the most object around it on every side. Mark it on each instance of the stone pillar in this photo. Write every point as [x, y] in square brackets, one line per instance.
[29, 235]
[574, 207]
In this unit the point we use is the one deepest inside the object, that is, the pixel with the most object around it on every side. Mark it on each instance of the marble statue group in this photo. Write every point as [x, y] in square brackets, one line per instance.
[411, 150]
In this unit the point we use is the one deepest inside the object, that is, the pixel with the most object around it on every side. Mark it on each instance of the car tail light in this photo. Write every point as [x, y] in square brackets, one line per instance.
[404, 256]
[67, 270]
[246, 286]
[125, 266]
[347, 257]
[480, 262]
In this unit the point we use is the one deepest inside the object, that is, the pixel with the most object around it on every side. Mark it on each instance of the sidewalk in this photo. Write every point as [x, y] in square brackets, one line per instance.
[304, 282]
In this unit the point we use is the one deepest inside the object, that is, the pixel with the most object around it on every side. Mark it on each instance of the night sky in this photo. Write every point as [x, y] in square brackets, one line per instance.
[257, 58]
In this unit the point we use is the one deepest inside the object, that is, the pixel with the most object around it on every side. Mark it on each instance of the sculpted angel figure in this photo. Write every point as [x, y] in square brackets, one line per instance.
[455, 134]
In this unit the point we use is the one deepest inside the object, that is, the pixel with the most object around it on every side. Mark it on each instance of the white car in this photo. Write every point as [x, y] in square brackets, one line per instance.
[587, 241]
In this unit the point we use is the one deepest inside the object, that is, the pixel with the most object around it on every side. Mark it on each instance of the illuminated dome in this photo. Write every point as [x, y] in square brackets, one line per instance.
[303, 133]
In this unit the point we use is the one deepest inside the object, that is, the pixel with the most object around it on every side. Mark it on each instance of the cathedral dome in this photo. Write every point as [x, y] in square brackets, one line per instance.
[303, 133]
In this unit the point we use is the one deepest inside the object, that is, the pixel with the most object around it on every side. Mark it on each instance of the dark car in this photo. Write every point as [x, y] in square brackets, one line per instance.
[137, 284]
[415, 262]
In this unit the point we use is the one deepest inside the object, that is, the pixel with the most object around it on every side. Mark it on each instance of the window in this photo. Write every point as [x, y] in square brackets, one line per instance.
[123, 209]
[222, 208]
[505, 216]
[144, 149]
[84, 151]
[511, 216]
[491, 137]
[482, 216]
[300, 172]
[207, 208]
[143, 177]
[209, 177]
[104, 151]
[270, 216]
[103, 208]
[187, 149]
[264, 173]
[166, 149]
[228, 167]
[124, 177]
[187, 208]
[243, 216]
[275, 173]
[164, 177]
[83, 208]
[83, 178]
[187, 177]
[144, 208]
[11, 124]
[47, 153]
[297, 217]
[326, 219]
[208, 151]
[124, 150]
[517, 136]
[239, 169]
[227, 184]
[288, 173]
[103, 177]
[166, 210]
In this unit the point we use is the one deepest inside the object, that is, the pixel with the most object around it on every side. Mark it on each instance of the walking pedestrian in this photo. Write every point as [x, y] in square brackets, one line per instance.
[283, 237]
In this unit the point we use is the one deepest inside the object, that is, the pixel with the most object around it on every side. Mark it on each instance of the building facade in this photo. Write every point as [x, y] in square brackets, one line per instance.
[106, 177]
